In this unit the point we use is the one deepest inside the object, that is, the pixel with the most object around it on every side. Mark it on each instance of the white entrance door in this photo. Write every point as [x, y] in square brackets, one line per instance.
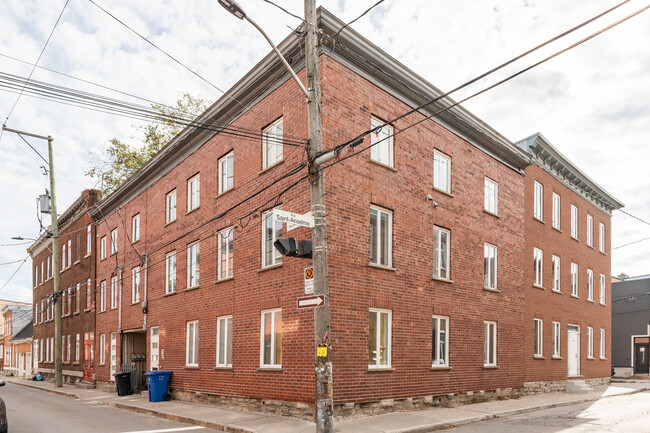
[21, 364]
[573, 351]
[113, 356]
[155, 349]
[28, 364]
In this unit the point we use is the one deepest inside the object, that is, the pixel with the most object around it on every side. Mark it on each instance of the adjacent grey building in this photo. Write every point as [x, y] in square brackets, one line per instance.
[631, 325]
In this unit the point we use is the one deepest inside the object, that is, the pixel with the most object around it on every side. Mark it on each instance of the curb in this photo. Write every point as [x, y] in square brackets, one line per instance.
[53, 391]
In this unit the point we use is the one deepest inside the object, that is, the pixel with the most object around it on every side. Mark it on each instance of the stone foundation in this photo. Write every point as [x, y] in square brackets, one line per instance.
[560, 385]
[623, 371]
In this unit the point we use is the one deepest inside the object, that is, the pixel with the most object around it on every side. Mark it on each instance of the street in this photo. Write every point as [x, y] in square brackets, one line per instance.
[35, 411]
[620, 414]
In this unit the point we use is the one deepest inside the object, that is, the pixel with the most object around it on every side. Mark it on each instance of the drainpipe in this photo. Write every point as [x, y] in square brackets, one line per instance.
[145, 303]
[119, 311]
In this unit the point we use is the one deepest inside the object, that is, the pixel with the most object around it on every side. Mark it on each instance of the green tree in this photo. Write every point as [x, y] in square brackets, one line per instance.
[117, 161]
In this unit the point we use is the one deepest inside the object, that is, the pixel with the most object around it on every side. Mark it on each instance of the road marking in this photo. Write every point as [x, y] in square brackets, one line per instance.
[168, 430]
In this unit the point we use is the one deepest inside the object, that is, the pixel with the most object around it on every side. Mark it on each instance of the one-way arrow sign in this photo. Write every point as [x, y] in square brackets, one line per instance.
[311, 301]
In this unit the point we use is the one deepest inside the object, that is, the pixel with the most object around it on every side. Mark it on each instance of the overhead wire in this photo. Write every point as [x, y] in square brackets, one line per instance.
[335, 36]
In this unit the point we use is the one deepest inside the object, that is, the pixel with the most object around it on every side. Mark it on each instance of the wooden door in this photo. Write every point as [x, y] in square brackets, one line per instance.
[89, 356]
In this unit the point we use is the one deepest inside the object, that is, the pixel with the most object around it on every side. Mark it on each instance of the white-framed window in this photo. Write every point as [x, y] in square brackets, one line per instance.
[590, 342]
[35, 276]
[491, 198]
[538, 266]
[490, 266]
[225, 241]
[602, 289]
[381, 234]
[538, 333]
[224, 341]
[77, 348]
[440, 343]
[62, 304]
[114, 241]
[490, 344]
[441, 243]
[77, 300]
[556, 273]
[271, 231]
[590, 285]
[113, 292]
[193, 265]
[379, 338]
[170, 206]
[42, 310]
[441, 171]
[574, 222]
[63, 249]
[102, 296]
[89, 292]
[102, 248]
[271, 339]
[51, 349]
[102, 349]
[49, 268]
[135, 285]
[272, 144]
[381, 141]
[601, 237]
[226, 173]
[574, 279]
[89, 240]
[170, 272]
[47, 350]
[69, 301]
[69, 347]
[69, 254]
[556, 339]
[603, 354]
[40, 350]
[135, 228]
[192, 344]
[42, 272]
[590, 230]
[193, 192]
[35, 314]
[556, 211]
[113, 355]
[538, 203]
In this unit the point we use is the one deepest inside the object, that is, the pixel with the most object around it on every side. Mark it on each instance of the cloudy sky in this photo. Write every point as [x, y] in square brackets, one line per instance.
[592, 103]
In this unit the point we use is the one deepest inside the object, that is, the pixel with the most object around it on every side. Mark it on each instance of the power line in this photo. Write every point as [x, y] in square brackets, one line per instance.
[15, 272]
[16, 244]
[354, 20]
[630, 243]
[286, 11]
[32, 147]
[630, 215]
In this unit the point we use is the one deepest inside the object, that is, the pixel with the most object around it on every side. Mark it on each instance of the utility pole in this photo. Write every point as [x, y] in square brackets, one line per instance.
[58, 377]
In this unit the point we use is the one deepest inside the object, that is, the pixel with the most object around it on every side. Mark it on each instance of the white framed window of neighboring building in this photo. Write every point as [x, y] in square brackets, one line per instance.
[193, 192]
[440, 343]
[601, 237]
[381, 140]
[89, 239]
[69, 252]
[271, 231]
[89, 293]
[272, 144]
[42, 272]
[271, 338]
[42, 310]
[590, 285]
[225, 248]
[63, 249]
[381, 234]
[441, 255]
[102, 349]
[556, 273]
[77, 300]
[135, 228]
[556, 211]
[40, 351]
[590, 230]
[69, 300]
[556, 339]
[574, 222]
[102, 248]
[590, 342]
[170, 272]
[193, 265]
[379, 338]
[224, 341]
[538, 267]
[102, 296]
[135, 285]
[491, 196]
[69, 347]
[602, 289]
[441, 171]
[490, 344]
[77, 348]
[538, 203]
[49, 268]
[226, 173]
[113, 292]
[574, 279]
[603, 354]
[538, 333]
[192, 344]
[114, 241]
[170, 206]
[490, 266]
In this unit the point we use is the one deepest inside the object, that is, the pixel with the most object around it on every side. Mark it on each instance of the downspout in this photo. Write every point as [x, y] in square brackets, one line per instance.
[145, 303]
[119, 311]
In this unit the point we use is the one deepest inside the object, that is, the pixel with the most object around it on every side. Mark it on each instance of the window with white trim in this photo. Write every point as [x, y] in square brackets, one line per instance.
[556, 211]
[77, 301]
[574, 279]
[441, 171]
[89, 293]
[192, 344]
[556, 339]
[193, 193]
[441, 243]
[226, 173]
[63, 249]
[538, 333]
[77, 348]
[170, 207]
[224, 341]
[381, 227]
[556, 273]
[102, 349]
[272, 143]
[42, 310]
[114, 241]
[440, 343]
[271, 339]
[69, 253]
[102, 296]
[590, 230]
[490, 266]
[590, 342]
[89, 239]
[170, 272]
[538, 203]
[538, 267]
[113, 292]
[601, 237]
[135, 285]
[379, 338]
[193, 265]
[603, 354]
[271, 231]
[135, 228]
[381, 142]
[102, 248]
[574, 222]
[490, 344]
[602, 289]
[69, 300]
[590, 285]
[491, 196]
[225, 248]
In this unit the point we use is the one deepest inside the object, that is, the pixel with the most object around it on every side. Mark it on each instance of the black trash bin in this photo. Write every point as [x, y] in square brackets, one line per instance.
[123, 383]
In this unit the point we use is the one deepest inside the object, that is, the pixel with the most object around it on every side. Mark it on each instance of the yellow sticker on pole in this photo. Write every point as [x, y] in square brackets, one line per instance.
[321, 351]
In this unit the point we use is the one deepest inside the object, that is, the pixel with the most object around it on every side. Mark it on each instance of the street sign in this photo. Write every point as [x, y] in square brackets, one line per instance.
[293, 220]
[311, 301]
[309, 281]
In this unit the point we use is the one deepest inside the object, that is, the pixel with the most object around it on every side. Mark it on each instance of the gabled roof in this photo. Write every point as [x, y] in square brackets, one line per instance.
[26, 333]
[550, 159]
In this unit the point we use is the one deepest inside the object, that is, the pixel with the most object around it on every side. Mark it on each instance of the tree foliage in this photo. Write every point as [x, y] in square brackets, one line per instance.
[117, 160]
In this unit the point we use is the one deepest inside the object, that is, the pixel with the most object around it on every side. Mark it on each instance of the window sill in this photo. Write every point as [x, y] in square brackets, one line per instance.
[170, 222]
[557, 229]
[443, 280]
[87, 255]
[221, 194]
[447, 193]
[75, 263]
[592, 247]
[539, 220]
[602, 252]
[390, 167]
[386, 268]
[575, 296]
[189, 211]
[575, 239]
[441, 367]
[101, 259]
[224, 367]
[491, 289]
[191, 367]
[75, 313]
[277, 265]
[278, 369]
[590, 358]
[557, 291]
[604, 305]
[496, 215]
[188, 289]
[170, 293]
[590, 300]
[537, 286]
[135, 241]
[538, 357]
[603, 359]
[135, 303]
[76, 363]
[87, 310]
[490, 367]
[379, 369]
[265, 169]
[222, 280]
[556, 357]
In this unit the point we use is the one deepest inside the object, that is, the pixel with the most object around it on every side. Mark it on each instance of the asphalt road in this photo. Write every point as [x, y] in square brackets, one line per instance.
[620, 414]
[35, 411]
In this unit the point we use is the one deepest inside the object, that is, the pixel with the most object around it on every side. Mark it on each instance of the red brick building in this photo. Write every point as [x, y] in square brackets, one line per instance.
[568, 262]
[15, 317]
[76, 237]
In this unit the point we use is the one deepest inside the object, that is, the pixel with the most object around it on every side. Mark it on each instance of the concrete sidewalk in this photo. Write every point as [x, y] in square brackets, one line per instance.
[398, 422]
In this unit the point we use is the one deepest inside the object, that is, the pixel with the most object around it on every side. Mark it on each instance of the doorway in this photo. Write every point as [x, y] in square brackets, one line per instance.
[641, 358]
[89, 356]
[134, 357]
[573, 351]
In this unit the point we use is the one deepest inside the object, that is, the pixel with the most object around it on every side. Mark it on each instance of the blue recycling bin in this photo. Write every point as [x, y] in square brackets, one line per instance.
[158, 384]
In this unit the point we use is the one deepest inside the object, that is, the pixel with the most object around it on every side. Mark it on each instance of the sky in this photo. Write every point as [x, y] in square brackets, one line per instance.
[591, 102]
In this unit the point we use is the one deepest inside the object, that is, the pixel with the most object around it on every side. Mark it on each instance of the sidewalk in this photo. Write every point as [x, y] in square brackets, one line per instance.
[399, 422]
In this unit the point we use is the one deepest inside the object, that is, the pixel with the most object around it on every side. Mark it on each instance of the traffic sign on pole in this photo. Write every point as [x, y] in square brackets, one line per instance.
[311, 301]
